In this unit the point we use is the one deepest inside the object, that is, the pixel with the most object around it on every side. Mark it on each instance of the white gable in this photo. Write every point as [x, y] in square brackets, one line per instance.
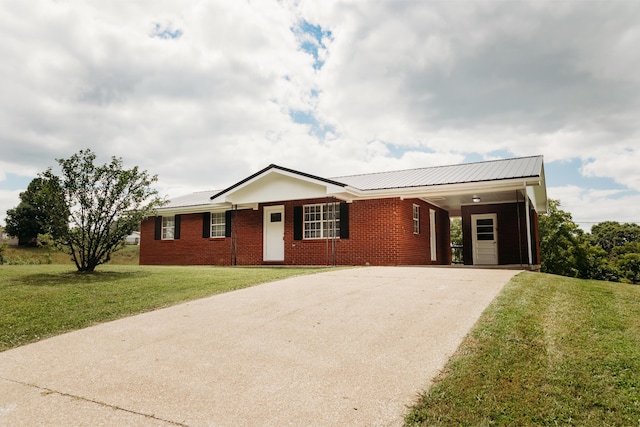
[276, 185]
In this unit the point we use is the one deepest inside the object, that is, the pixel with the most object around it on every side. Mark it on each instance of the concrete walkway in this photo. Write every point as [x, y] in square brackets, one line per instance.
[344, 348]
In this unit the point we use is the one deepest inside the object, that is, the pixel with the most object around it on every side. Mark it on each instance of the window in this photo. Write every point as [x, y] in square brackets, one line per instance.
[321, 221]
[218, 224]
[168, 227]
[484, 229]
[416, 219]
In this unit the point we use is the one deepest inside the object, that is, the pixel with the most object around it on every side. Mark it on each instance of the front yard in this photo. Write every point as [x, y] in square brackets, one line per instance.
[39, 301]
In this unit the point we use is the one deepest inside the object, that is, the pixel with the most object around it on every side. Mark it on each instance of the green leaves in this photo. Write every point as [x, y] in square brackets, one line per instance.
[105, 203]
[610, 252]
[558, 237]
[42, 210]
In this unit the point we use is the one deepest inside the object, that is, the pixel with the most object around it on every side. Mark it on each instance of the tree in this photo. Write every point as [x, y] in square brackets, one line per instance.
[455, 231]
[610, 235]
[559, 237]
[629, 265]
[42, 210]
[592, 262]
[105, 203]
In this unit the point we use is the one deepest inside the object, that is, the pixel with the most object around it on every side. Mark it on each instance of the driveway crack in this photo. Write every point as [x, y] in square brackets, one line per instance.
[47, 391]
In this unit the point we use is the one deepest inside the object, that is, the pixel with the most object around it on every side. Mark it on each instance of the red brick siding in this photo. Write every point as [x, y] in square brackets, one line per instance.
[413, 249]
[381, 233]
[248, 227]
[190, 249]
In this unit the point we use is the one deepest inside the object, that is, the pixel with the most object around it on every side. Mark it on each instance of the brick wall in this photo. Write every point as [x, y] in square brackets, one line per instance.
[190, 249]
[381, 233]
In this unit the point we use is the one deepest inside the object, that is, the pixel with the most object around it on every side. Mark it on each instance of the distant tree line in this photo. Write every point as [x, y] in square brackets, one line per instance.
[611, 251]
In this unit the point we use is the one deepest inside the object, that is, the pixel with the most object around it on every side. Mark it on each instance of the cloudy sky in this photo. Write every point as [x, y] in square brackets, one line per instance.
[205, 93]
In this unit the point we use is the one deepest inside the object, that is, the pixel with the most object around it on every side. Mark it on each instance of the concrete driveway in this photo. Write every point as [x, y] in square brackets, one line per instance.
[347, 347]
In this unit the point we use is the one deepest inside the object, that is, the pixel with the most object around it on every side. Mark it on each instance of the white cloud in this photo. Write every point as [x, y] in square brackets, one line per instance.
[202, 93]
[8, 199]
[589, 206]
[616, 161]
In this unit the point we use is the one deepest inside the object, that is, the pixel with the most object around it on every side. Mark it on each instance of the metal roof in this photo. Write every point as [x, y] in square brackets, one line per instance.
[479, 172]
[194, 199]
[523, 167]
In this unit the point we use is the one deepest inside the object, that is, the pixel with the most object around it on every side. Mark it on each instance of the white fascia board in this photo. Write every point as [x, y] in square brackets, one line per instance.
[537, 194]
[179, 210]
[445, 190]
[538, 197]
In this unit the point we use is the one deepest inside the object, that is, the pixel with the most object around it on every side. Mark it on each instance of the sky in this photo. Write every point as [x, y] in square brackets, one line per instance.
[206, 93]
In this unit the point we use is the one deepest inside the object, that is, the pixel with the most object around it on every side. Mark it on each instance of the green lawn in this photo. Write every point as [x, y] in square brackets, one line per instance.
[549, 351]
[39, 301]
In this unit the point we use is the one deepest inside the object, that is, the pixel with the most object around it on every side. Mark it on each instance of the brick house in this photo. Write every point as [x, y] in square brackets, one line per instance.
[283, 216]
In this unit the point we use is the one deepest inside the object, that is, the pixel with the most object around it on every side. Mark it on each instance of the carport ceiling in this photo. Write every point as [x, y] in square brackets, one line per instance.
[454, 203]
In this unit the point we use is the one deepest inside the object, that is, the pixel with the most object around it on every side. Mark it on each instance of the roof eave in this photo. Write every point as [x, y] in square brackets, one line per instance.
[178, 210]
[447, 189]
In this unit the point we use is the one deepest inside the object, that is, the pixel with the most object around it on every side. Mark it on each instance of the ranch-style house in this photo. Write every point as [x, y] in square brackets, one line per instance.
[282, 216]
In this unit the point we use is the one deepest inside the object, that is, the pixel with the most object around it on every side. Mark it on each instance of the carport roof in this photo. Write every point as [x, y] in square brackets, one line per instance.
[496, 170]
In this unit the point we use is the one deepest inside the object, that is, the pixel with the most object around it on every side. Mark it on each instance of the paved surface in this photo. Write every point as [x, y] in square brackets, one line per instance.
[344, 348]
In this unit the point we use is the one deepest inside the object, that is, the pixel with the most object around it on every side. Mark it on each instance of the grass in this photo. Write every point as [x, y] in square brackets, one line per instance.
[39, 301]
[549, 350]
[26, 255]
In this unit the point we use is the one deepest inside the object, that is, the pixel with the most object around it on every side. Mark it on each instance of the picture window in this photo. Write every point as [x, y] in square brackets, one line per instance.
[321, 221]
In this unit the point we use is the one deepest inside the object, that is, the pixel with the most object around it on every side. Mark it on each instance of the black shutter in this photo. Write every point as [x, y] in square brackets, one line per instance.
[227, 223]
[297, 222]
[344, 220]
[157, 232]
[176, 227]
[206, 225]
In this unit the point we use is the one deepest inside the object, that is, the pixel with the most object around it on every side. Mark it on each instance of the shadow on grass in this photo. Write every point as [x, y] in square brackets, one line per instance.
[76, 278]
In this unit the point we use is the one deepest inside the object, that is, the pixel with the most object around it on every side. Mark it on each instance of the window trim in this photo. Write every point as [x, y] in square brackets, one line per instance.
[323, 221]
[217, 233]
[165, 227]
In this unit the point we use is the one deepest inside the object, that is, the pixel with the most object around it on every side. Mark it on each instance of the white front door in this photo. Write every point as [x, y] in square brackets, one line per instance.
[485, 239]
[273, 233]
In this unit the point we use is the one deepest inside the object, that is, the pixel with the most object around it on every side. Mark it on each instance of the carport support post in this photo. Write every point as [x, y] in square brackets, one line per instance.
[528, 216]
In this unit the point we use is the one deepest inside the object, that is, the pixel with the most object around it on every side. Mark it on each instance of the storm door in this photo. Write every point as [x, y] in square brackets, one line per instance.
[485, 239]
